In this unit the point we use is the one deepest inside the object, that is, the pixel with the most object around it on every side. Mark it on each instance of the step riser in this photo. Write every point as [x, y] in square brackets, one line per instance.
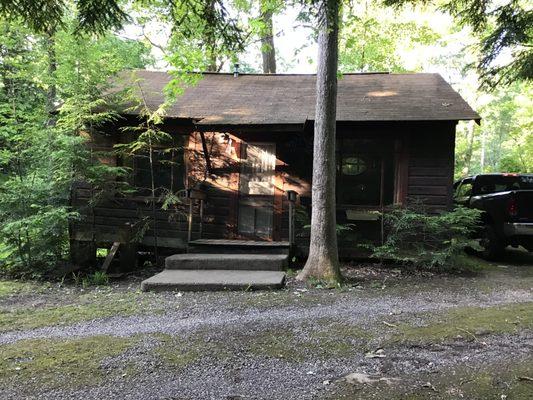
[226, 262]
[146, 287]
[210, 249]
[226, 266]
[204, 280]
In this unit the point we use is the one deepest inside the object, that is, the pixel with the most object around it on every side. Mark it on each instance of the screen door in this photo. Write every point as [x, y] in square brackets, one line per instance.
[256, 190]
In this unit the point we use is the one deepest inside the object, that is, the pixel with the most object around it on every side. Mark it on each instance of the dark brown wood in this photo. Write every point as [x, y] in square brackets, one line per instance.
[424, 171]
[82, 253]
[110, 256]
[206, 154]
[402, 169]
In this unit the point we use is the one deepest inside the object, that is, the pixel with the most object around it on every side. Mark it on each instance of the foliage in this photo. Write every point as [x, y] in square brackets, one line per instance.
[503, 142]
[505, 34]
[43, 155]
[46, 15]
[426, 240]
[374, 38]
[97, 278]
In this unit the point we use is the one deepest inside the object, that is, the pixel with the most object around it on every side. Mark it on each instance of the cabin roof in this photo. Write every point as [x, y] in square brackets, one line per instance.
[254, 99]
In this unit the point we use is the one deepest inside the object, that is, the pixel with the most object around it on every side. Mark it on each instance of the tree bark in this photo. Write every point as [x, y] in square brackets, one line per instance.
[209, 37]
[268, 51]
[469, 151]
[323, 261]
[52, 68]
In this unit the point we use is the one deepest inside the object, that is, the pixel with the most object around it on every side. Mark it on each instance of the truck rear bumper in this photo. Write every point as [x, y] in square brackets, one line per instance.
[518, 229]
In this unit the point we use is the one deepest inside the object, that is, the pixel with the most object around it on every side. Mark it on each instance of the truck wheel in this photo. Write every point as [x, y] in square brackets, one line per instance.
[493, 247]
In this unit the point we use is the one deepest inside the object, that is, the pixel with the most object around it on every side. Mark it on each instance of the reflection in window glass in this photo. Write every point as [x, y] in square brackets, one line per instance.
[353, 166]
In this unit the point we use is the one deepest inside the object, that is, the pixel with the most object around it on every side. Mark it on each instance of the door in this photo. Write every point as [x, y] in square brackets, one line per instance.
[256, 190]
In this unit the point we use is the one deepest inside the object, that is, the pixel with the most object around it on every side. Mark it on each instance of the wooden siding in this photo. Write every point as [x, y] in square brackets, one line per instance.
[431, 168]
[424, 150]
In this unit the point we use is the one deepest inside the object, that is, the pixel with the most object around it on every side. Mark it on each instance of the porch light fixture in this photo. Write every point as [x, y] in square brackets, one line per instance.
[292, 195]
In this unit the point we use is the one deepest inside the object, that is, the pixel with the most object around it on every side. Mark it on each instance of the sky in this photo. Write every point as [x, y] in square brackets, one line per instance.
[296, 51]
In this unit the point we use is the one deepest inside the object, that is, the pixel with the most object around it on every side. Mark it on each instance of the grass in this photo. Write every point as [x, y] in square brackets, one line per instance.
[53, 363]
[489, 381]
[89, 307]
[328, 340]
[178, 352]
[469, 323]
[8, 288]
[15, 287]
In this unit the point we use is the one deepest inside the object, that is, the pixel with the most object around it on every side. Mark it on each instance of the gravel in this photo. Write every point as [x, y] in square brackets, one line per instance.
[236, 315]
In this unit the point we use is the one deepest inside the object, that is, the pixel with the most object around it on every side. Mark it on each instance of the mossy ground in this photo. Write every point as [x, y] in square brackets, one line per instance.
[324, 339]
[467, 323]
[285, 334]
[53, 363]
[85, 307]
[11, 288]
[491, 381]
[177, 352]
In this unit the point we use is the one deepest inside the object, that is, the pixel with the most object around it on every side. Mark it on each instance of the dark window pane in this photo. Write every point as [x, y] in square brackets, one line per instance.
[168, 171]
[360, 172]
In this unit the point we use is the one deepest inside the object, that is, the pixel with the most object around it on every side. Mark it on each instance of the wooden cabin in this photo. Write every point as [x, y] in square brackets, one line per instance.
[243, 153]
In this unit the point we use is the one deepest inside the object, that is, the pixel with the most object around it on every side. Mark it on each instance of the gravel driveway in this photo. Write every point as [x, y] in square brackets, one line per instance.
[389, 335]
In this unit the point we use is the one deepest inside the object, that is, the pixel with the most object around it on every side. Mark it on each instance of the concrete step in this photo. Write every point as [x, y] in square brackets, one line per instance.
[230, 246]
[202, 280]
[252, 262]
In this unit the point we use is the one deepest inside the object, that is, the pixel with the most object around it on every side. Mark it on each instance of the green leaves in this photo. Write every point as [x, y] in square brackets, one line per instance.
[47, 15]
[43, 155]
[374, 38]
[427, 240]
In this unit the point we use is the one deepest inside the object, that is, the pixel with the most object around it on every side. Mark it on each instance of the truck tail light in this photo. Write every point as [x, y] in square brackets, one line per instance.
[512, 207]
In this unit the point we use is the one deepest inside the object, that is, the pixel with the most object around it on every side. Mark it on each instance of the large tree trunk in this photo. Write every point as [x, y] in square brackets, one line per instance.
[323, 261]
[469, 150]
[209, 37]
[268, 50]
[52, 68]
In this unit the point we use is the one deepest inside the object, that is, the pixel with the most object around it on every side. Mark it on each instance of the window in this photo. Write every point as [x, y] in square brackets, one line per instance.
[168, 171]
[464, 191]
[365, 172]
[353, 166]
[502, 183]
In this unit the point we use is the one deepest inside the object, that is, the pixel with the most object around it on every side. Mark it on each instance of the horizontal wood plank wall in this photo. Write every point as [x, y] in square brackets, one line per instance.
[430, 178]
[105, 220]
[431, 167]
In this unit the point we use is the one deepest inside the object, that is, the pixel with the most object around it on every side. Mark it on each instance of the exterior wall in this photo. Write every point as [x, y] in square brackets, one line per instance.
[423, 157]
[431, 167]
[109, 216]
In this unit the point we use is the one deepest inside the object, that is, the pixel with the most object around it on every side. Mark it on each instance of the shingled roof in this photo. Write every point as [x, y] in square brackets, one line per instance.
[253, 99]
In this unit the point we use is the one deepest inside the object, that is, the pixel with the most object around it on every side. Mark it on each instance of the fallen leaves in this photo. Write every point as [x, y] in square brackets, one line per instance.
[379, 353]
[356, 378]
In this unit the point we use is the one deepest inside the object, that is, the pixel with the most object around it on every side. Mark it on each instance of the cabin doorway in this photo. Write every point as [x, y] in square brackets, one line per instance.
[256, 191]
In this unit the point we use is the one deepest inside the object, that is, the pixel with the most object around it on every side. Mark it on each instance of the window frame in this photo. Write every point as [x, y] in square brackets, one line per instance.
[378, 147]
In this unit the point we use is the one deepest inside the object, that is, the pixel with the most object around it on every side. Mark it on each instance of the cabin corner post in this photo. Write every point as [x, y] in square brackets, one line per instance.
[291, 196]
[189, 221]
[402, 169]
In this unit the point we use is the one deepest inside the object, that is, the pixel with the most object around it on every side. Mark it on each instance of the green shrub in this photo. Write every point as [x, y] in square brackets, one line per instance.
[98, 278]
[432, 241]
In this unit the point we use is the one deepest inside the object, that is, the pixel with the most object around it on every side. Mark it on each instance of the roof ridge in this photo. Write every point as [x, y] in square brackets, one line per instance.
[288, 74]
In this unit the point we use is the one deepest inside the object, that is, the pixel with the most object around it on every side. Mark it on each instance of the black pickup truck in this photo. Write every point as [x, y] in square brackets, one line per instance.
[507, 204]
